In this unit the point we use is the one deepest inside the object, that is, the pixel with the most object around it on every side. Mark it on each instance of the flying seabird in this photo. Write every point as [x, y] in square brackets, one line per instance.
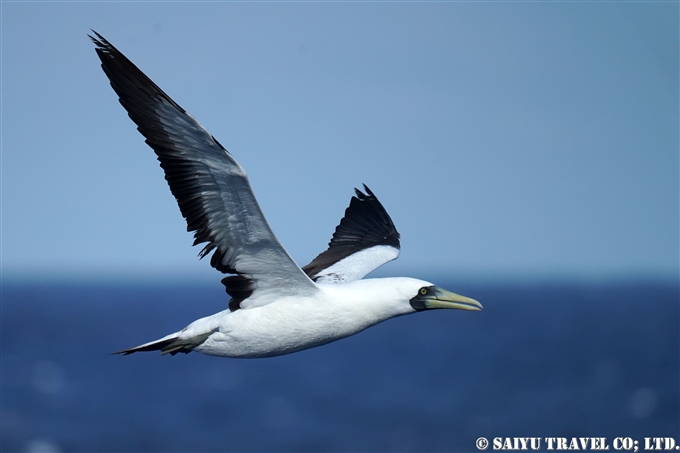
[276, 307]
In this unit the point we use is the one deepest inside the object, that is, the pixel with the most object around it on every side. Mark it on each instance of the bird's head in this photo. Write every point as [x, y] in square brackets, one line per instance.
[429, 297]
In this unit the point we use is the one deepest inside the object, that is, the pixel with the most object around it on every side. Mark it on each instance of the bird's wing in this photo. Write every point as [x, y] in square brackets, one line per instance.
[211, 188]
[365, 240]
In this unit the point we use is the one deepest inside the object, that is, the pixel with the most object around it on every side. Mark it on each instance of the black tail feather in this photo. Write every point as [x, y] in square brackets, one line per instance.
[170, 346]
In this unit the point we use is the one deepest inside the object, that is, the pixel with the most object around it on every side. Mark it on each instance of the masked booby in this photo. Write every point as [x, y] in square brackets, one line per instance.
[276, 307]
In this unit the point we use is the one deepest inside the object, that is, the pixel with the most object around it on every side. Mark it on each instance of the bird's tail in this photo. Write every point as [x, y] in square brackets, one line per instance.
[171, 344]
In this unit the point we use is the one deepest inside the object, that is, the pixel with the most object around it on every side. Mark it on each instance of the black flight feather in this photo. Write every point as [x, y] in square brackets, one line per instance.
[365, 224]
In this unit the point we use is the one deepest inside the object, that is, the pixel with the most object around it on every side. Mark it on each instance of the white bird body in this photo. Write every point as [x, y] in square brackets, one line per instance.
[296, 323]
[276, 307]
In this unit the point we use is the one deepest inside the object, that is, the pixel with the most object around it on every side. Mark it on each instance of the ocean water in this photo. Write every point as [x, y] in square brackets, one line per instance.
[542, 360]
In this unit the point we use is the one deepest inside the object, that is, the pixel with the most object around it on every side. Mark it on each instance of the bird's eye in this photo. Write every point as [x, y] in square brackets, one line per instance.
[423, 291]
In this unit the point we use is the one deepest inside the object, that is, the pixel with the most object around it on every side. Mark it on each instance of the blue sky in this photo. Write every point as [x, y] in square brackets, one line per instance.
[517, 139]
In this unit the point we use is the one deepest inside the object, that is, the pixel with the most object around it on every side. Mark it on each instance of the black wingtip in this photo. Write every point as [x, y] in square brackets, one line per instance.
[368, 191]
[99, 41]
[363, 196]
